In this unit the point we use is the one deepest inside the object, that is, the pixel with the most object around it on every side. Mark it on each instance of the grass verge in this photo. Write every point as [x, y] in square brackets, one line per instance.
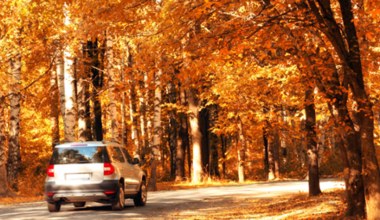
[329, 205]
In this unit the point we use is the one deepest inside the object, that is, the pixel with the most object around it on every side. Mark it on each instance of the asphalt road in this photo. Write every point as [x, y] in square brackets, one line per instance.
[165, 204]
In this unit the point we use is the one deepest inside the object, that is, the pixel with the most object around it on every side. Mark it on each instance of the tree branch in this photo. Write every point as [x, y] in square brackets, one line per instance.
[34, 81]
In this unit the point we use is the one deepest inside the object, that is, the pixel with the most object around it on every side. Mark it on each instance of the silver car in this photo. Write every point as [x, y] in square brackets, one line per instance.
[81, 172]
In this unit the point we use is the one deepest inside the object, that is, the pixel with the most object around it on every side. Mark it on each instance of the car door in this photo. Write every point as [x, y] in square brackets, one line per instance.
[118, 160]
[133, 176]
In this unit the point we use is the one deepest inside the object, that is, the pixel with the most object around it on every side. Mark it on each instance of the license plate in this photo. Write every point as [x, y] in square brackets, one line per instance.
[78, 176]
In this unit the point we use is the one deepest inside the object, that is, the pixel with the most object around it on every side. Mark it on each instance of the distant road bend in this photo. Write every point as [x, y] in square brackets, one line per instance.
[162, 203]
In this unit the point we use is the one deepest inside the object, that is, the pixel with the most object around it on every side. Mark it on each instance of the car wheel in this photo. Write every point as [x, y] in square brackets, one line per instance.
[79, 204]
[119, 202]
[54, 206]
[141, 196]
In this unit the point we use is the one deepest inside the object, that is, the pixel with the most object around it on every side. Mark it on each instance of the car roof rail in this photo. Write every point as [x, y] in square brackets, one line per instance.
[110, 141]
[60, 142]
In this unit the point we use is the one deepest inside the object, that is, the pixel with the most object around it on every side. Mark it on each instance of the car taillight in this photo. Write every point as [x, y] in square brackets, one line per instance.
[50, 171]
[108, 169]
[109, 192]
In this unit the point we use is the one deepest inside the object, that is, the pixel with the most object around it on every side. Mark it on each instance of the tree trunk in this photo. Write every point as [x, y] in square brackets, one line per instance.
[4, 190]
[189, 150]
[60, 69]
[224, 155]
[157, 132]
[196, 137]
[273, 154]
[284, 135]
[182, 140]
[69, 84]
[241, 152]
[266, 130]
[348, 140]
[205, 144]
[14, 156]
[276, 152]
[214, 157]
[54, 110]
[173, 145]
[3, 137]
[311, 142]
[133, 115]
[83, 96]
[114, 114]
[97, 83]
[182, 143]
[69, 88]
[370, 165]
[347, 47]
[143, 123]
[179, 161]
[266, 151]
[127, 61]
[145, 143]
[133, 107]
[123, 111]
[172, 130]
[351, 155]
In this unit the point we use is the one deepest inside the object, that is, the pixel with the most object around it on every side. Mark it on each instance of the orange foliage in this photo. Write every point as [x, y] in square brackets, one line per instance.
[236, 54]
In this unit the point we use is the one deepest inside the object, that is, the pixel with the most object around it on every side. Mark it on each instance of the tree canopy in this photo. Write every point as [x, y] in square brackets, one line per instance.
[226, 89]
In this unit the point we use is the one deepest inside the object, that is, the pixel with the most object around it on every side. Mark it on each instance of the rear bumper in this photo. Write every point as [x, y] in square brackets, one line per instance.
[104, 191]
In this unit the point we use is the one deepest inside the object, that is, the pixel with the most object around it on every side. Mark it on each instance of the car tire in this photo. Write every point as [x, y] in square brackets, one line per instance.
[119, 202]
[79, 204]
[54, 206]
[141, 197]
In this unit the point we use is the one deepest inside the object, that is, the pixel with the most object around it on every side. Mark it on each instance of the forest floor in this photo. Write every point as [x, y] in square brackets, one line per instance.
[328, 205]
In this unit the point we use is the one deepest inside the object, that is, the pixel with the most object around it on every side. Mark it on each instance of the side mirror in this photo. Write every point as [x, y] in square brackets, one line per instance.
[135, 161]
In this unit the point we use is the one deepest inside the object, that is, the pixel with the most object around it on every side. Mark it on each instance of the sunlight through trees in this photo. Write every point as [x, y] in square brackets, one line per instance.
[198, 90]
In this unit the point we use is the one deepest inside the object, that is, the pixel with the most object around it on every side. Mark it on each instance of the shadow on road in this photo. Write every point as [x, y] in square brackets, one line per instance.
[177, 204]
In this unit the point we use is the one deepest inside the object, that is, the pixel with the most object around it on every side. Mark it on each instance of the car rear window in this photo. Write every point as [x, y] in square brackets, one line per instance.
[70, 155]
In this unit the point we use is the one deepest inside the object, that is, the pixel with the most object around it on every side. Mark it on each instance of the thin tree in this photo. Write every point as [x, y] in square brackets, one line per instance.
[83, 98]
[54, 108]
[241, 152]
[214, 143]
[59, 63]
[4, 191]
[196, 137]
[123, 97]
[94, 51]
[69, 88]
[182, 138]
[311, 142]
[203, 121]
[133, 104]
[172, 128]
[143, 111]
[155, 153]
[272, 150]
[14, 156]
[115, 134]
